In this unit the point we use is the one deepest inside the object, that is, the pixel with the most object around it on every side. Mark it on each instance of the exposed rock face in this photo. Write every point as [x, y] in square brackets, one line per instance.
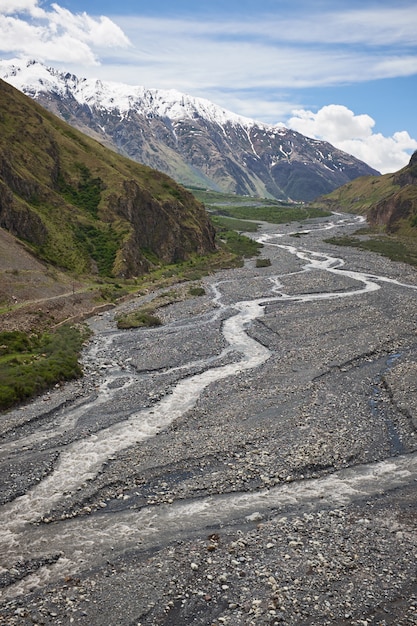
[160, 227]
[388, 212]
[190, 139]
[81, 205]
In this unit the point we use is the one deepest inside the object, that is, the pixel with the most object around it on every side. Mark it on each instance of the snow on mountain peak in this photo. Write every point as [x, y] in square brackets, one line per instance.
[33, 78]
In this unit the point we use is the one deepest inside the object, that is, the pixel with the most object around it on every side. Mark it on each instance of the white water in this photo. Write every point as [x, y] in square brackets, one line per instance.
[82, 460]
[95, 539]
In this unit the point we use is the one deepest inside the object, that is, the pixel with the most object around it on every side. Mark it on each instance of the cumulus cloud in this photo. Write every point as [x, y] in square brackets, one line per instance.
[19, 6]
[55, 34]
[354, 134]
[251, 66]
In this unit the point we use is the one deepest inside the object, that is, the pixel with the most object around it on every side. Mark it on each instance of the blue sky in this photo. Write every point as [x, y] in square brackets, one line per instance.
[343, 71]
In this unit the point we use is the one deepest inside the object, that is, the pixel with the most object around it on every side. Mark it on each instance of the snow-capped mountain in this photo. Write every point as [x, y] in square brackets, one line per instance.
[191, 139]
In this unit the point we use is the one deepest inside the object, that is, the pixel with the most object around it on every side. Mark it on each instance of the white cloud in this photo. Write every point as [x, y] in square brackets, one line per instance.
[354, 134]
[55, 34]
[8, 7]
[313, 51]
[248, 66]
[382, 27]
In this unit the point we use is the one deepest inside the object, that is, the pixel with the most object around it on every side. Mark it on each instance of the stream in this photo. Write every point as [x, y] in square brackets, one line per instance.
[75, 544]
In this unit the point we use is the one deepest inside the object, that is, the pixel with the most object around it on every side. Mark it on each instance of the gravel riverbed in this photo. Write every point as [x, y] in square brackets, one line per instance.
[253, 461]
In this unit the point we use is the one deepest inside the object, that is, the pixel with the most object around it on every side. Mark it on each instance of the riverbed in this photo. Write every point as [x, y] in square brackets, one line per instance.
[251, 461]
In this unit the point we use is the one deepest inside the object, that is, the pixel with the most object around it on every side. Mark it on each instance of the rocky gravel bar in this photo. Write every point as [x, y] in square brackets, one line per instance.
[252, 461]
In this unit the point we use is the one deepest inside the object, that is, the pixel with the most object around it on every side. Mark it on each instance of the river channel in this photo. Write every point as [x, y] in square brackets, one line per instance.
[286, 391]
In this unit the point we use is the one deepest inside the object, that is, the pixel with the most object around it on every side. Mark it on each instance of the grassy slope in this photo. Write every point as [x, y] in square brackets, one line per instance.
[67, 188]
[360, 195]
[389, 200]
[390, 204]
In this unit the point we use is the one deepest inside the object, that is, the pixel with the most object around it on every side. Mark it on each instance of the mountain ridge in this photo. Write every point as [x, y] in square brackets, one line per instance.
[191, 139]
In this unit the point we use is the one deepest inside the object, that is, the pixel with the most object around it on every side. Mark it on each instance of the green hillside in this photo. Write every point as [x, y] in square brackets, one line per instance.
[389, 203]
[84, 208]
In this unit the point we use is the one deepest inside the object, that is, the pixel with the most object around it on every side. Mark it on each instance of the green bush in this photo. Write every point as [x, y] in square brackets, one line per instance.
[239, 244]
[138, 319]
[263, 262]
[15, 341]
[391, 247]
[101, 244]
[30, 364]
[197, 291]
[86, 194]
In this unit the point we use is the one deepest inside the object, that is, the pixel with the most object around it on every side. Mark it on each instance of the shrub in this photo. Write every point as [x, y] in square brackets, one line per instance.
[138, 319]
[86, 194]
[101, 244]
[197, 291]
[239, 244]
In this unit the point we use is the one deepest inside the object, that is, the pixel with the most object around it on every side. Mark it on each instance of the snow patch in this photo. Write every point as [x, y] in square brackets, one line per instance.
[34, 78]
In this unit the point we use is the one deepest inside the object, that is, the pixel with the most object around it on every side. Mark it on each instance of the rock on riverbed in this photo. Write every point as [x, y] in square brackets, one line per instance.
[270, 499]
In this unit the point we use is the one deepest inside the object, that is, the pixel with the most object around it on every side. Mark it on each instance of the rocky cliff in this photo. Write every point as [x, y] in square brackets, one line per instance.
[401, 204]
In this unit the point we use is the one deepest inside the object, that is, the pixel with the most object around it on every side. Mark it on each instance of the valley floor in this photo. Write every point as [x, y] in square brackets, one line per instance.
[253, 461]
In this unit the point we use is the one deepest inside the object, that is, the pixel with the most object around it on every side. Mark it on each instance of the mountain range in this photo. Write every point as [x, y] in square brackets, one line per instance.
[191, 139]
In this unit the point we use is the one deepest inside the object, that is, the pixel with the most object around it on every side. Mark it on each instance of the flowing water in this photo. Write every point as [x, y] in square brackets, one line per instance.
[90, 539]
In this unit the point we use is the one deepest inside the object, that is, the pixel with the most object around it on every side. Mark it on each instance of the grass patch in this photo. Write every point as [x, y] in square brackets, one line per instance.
[240, 245]
[263, 262]
[392, 247]
[33, 363]
[197, 291]
[112, 293]
[138, 319]
[273, 214]
[231, 206]
[231, 223]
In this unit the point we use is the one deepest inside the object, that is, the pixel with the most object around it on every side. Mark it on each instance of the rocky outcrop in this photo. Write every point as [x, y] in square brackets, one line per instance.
[408, 175]
[400, 205]
[388, 213]
[158, 228]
